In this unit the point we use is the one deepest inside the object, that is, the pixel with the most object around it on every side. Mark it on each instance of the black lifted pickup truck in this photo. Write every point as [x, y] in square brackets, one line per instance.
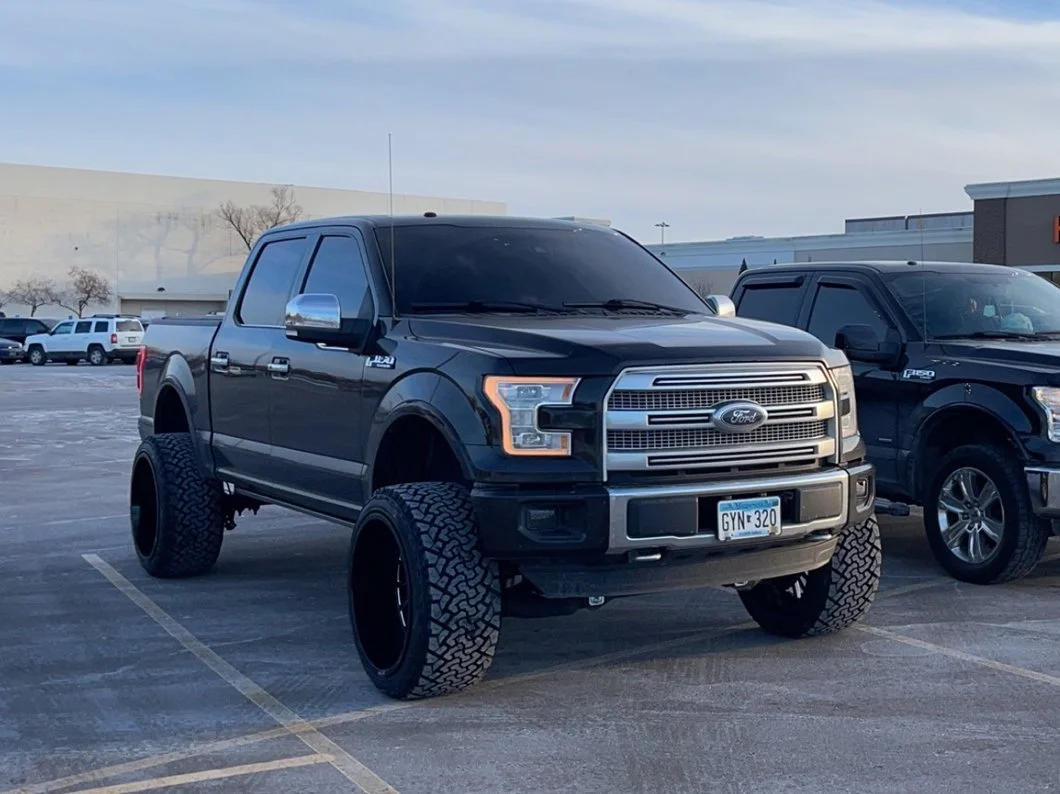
[957, 374]
[516, 417]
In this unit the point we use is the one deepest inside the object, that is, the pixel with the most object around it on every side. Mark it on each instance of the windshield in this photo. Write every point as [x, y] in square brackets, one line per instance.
[967, 304]
[512, 268]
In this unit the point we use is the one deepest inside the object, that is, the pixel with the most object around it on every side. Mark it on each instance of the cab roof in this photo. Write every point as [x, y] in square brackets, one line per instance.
[881, 266]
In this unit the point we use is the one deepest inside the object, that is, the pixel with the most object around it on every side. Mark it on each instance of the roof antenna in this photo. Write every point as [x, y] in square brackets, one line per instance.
[390, 200]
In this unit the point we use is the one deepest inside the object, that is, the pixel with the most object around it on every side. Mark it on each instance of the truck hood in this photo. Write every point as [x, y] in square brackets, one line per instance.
[594, 345]
[1043, 357]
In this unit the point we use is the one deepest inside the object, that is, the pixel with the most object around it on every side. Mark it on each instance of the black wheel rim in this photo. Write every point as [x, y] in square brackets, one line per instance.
[143, 507]
[971, 516]
[380, 596]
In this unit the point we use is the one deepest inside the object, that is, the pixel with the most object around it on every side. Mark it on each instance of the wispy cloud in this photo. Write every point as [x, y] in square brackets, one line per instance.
[721, 116]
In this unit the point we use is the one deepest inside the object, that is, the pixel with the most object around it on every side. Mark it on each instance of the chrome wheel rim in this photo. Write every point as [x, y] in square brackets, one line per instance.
[971, 515]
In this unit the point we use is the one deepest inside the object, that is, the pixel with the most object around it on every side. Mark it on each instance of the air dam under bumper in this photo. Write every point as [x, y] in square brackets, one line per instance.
[519, 522]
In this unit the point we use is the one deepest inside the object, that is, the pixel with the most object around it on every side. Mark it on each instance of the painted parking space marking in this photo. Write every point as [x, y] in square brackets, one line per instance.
[210, 774]
[353, 770]
[982, 661]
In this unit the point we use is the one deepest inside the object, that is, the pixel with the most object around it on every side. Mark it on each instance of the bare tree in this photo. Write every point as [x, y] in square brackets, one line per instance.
[85, 288]
[5, 298]
[250, 222]
[34, 292]
[703, 287]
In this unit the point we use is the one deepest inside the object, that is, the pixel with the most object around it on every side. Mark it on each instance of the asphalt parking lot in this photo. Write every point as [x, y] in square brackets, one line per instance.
[247, 679]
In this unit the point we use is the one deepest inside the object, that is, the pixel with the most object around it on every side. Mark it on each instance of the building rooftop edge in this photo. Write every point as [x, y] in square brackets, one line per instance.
[1013, 189]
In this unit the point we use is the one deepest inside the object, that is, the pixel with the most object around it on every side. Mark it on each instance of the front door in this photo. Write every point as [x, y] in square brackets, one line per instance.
[839, 301]
[317, 436]
[239, 374]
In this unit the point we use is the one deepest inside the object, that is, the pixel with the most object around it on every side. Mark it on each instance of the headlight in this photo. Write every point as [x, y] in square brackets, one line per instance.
[1048, 397]
[518, 400]
[848, 403]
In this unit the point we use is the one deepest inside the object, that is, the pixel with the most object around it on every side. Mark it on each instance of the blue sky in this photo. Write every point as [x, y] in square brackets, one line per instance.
[722, 117]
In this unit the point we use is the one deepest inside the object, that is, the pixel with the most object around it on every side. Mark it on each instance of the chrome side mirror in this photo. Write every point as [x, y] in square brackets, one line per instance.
[309, 314]
[722, 305]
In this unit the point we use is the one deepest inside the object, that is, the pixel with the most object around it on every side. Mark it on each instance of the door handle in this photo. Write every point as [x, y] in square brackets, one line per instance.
[279, 366]
[219, 362]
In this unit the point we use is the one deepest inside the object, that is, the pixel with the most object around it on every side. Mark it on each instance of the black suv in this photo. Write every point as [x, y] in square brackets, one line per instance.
[957, 382]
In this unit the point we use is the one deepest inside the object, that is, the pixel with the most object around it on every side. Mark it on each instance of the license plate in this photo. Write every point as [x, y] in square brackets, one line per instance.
[739, 519]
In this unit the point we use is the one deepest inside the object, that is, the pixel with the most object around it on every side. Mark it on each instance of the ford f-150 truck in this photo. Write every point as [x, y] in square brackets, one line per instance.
[515, 417]
[957, 372]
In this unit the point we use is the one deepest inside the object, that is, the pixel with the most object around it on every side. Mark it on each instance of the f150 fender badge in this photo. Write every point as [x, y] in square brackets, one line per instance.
[382, 362]
[918, 374]
[739, 417]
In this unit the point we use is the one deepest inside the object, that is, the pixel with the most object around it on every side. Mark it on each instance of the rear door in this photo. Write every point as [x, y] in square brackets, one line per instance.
[317, 432]
[772, 297]
[242, 349]
[850, 299]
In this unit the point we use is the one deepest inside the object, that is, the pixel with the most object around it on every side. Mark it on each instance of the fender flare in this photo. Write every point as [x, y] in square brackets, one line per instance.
[439, 401]
[986, 400]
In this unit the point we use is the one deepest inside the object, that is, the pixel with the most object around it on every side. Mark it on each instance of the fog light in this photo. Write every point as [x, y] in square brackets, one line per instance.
[863, 491]
[541, 519]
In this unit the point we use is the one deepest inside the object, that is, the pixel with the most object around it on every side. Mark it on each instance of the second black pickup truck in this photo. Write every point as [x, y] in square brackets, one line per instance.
[957, 373]
[515, 416]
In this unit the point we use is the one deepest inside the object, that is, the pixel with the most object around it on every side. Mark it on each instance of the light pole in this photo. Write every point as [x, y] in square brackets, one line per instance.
[663, 226]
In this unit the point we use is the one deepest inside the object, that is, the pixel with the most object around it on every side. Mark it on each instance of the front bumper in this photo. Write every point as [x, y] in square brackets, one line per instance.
[519, 522]
[1043, 485]
[12, 353]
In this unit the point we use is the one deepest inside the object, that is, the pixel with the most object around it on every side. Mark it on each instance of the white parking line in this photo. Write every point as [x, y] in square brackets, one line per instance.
[209, 774]
[352, 769]
[982, 661]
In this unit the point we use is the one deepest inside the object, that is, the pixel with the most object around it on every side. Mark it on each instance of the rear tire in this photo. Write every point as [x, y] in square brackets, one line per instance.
[176, 512]
[97, 357]
[425, 605]
[825, 600]
[998, 503]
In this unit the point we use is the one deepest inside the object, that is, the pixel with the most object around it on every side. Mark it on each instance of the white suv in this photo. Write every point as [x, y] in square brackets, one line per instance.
[98, 339]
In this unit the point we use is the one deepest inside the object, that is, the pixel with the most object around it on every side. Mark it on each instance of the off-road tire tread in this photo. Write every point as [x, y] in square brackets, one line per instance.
[1032, 532]
[856, 566]
[853, 580]
[191, 528]
[465, 590]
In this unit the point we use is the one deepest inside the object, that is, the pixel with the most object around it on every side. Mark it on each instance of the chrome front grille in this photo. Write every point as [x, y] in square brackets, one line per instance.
[698, 399]
[657, 419]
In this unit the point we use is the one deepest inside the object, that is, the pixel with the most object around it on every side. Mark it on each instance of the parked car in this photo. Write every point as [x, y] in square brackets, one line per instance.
[17, 329]
[99, 340]
[540, 417]
[957, 375]
[11, 351]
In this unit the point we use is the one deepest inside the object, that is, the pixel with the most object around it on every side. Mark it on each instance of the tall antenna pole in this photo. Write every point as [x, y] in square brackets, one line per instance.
[390, 188]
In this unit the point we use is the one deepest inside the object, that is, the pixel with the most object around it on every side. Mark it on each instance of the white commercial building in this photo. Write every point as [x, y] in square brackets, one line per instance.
[158, 240]
[712, 266]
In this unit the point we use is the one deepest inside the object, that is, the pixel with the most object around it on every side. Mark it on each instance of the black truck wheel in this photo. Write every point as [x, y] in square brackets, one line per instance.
[176, 512]
[425, 605]
[827, 599]
[978, 516]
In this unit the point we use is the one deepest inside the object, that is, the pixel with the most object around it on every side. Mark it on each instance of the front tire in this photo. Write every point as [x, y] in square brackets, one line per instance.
[425, 605]
[978, 517]
[176, 512]
[827, 599]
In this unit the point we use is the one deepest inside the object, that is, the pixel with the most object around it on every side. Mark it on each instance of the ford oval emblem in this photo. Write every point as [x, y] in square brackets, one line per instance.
[739, 417]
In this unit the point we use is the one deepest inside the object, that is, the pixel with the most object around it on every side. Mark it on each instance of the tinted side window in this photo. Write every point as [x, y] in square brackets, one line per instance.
[836, 306]
[338, 269]
[63, 328]
[101, 327]
[35, 327]
[775, 303]
[270, 282]
[83, 327]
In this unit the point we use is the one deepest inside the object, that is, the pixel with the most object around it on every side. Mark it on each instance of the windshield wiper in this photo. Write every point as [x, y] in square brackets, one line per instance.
[482, 306]
[616, 304]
